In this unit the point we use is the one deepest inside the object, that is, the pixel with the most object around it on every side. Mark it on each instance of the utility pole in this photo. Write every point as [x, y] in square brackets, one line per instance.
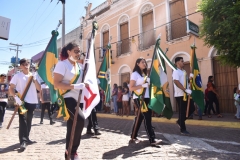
[63, 23]
[16, 50]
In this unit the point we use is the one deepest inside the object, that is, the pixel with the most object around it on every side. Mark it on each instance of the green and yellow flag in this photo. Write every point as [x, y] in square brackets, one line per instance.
[104, 75]
[160, 98]
[197, 90]
[156, 102]
[47, 65]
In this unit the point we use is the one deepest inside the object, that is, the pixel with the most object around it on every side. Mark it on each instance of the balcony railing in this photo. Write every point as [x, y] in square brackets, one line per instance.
[123, 47]
[176, 29]
[146, 40]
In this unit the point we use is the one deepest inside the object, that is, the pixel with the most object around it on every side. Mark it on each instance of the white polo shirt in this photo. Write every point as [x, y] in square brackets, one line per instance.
[20, 81]
[67, 70]
[180, 76]
[139, 81]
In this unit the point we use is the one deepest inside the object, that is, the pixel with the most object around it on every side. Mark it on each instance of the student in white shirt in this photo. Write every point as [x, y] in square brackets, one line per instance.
[139, 82]
[180, 88]
[64, 73]
[19, 82]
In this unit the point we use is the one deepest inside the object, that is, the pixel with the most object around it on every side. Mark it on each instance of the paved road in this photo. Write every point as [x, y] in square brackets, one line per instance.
[210, 139]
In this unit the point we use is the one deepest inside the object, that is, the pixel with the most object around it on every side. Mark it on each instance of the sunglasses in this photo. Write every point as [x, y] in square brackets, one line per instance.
[25, 64]
[76, 51]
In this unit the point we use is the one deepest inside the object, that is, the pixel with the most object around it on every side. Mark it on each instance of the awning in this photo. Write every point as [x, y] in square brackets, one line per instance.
[37, 57]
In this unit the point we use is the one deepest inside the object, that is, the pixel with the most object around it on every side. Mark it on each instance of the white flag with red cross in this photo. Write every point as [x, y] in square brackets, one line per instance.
[90, 95]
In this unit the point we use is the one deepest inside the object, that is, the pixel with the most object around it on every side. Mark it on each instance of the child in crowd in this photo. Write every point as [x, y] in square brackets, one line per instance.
[119, 101]
[237, 101]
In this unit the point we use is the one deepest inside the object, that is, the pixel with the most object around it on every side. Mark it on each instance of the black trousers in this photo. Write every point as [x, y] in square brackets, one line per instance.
[2, 110]
[182, 105]
[147, 117]
[213, 99]
[44, 107]
[25, 122]
[71, 104]
[92, 121]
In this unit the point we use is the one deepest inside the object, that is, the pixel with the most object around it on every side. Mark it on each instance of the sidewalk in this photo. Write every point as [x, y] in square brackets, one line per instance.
[228, 120]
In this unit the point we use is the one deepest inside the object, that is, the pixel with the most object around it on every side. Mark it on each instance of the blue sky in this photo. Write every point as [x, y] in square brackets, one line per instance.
[32, 22]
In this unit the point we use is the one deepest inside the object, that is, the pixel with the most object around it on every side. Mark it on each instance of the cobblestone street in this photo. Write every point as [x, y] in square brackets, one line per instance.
[211, 140]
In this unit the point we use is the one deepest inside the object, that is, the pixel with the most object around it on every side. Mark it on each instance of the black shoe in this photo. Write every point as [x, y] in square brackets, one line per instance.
[23, 146]
[51, 122]
[41, 122]
[186, 133]
[90, 132]
[97, 133]
[29, 142]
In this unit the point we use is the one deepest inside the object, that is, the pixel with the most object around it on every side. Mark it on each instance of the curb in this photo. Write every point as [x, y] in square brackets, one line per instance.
[207, 123]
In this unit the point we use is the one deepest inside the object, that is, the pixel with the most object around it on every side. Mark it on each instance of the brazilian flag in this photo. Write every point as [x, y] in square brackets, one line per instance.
[47, 64]
[197, 90]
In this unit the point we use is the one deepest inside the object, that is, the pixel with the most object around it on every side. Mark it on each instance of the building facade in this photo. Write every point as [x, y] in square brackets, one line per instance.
[132, 28]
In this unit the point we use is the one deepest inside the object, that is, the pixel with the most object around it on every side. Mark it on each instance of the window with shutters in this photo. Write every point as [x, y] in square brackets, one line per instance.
[178, 26]
[105, 41]
[123, 46]
[147, 37]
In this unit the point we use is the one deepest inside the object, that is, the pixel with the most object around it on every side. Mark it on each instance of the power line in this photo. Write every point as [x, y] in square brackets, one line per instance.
[28, 21]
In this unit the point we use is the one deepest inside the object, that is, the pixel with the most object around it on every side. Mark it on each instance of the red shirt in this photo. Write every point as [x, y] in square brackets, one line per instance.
[119, 96]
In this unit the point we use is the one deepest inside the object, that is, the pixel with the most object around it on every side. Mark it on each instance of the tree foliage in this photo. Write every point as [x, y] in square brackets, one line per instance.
[220, 28]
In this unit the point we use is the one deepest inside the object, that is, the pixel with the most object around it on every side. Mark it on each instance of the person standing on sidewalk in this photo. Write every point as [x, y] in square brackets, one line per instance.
[213, 97]
[67, 77]
[125, 99]
[114, 98]
[3, 97]
[236, 95]
[138, 83]
[44, 104]
[19, 82]
[180, 93]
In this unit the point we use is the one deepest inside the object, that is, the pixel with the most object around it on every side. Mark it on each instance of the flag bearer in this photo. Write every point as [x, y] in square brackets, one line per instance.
[67, 79]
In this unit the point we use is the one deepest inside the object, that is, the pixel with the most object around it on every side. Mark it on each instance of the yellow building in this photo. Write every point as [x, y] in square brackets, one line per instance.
[133, 27]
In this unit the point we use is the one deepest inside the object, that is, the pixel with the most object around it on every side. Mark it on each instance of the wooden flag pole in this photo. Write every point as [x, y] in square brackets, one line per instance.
[190, 83]
[95, 27]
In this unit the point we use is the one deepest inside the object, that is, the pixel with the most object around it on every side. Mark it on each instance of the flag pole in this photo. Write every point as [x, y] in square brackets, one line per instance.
[59, 23]
[95, 27]
[190, 83]
[143, 93]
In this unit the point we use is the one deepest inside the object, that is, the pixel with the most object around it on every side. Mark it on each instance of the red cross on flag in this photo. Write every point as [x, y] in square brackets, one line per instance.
[90, 95]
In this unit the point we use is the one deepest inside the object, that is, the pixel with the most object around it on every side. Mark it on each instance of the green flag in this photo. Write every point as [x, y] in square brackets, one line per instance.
[167, 111]
[104, 75]
[156, 96]
[47, 64]
[160, 98]
[197, 90]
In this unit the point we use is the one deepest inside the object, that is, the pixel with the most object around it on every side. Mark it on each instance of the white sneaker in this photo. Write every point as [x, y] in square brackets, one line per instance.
[156, 142]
